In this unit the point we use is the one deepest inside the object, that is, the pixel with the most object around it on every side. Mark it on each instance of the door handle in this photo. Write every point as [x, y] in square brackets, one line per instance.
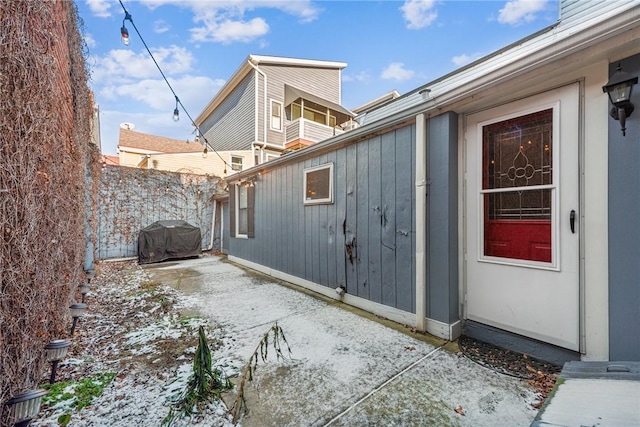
[572, 221]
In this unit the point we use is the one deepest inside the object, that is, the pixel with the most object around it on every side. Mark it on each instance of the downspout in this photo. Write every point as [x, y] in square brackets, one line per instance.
[213, 225]
[421, 221]
[264, 111]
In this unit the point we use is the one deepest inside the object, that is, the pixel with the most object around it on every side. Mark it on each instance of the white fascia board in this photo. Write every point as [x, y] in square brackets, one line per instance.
[278, 60]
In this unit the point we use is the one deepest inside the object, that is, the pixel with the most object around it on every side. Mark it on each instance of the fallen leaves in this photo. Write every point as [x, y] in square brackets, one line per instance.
[459, 410]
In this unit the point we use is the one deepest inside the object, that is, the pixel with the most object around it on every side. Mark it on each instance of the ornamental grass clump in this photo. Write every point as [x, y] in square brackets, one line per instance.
[206, 383]
[260, 353]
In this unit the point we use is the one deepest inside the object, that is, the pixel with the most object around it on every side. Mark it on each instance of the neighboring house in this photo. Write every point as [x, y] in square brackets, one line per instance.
[272, 105]
[141, 150]
[108, 160]
[499, 201]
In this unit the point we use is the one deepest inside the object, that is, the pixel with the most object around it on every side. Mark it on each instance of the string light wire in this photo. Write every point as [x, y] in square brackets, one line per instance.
[128, 17]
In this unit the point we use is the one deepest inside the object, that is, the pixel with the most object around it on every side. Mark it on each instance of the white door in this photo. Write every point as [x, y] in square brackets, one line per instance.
[521, 217]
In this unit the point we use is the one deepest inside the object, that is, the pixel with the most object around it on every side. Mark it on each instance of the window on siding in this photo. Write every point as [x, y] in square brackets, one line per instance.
[236, 163]
[243, 222]
[318, 184]
[276, 115]
[242, 198]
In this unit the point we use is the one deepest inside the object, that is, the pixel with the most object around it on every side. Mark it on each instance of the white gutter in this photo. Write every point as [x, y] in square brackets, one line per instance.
[264, 110]
[421, 221]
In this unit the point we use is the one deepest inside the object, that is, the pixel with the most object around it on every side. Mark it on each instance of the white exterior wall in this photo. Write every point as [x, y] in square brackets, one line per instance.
[195, 163]
[595, 263]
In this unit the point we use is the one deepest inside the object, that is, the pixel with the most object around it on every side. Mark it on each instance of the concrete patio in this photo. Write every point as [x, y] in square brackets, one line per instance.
[347, 367]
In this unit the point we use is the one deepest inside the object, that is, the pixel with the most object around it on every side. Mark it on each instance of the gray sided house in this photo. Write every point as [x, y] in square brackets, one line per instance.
[498, 201]
[271, 105]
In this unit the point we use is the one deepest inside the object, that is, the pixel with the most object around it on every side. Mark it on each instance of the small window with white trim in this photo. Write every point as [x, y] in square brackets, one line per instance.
[242, 218]
[236, 163]
[276, 115]
[318, 185]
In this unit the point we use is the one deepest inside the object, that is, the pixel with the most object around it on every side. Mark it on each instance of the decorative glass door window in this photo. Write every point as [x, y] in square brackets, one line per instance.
[518, 187]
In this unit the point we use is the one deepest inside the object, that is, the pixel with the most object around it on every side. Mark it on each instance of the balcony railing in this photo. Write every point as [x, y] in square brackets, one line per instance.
[309, 131]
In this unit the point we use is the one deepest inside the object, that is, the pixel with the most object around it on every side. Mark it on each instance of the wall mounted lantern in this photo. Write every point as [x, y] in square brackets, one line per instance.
[76, 311]
[56, 351]
[619, 89]
[25, 406]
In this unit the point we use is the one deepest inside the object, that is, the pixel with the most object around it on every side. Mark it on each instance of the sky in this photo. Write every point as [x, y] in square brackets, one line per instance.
[199, 44]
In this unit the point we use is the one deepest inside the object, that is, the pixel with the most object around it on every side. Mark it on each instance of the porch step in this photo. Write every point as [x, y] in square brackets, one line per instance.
[593, 394]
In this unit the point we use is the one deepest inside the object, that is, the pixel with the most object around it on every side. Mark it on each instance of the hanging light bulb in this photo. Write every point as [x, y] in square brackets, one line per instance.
[204, 153]
[176, 112]
[123, 30]
[125, 34]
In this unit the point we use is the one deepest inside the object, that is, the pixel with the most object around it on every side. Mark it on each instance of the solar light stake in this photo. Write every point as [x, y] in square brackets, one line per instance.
[24, 407]
[84, 290]
[76, 311]
[56, 351]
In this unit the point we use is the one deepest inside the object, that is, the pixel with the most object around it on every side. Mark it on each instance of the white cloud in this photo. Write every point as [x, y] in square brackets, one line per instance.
[516, 12]
[123, 65]
[100, 8]
[418, 13]
[362, 76]
[396, 71]
[224, 21]
[231, 31]
[194, 92]
[89, 40]
[160, 26]
[465, 59]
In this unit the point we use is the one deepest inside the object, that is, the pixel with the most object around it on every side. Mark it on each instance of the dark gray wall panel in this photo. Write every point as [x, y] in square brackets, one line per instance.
[340, 188]
[225, 228]
[405, 280]
[375, 215]
[442, 218]
[362, 218]
[624, 233]
[364, 241]
[351, 241]
[388, 232]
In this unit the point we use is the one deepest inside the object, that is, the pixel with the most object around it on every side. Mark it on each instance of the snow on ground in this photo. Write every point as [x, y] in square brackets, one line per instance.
[344, 369]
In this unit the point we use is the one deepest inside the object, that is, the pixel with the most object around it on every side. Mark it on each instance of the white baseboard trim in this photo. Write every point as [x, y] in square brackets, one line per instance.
[434, 327]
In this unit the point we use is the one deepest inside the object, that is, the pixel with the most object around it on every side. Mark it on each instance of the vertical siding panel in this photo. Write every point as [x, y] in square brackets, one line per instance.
[340, 209]
[298, 212]
[279, 231]
[323, 236]
[388, 232]
[308, 226]
[290, 230]
[351, 241]
[363, 218]
[413, 218]
[403, 219]
[375, 217]
[332, 235]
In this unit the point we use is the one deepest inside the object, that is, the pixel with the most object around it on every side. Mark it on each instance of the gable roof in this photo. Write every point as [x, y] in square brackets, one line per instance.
[248, 65]
[110, 160]
[154, 143]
